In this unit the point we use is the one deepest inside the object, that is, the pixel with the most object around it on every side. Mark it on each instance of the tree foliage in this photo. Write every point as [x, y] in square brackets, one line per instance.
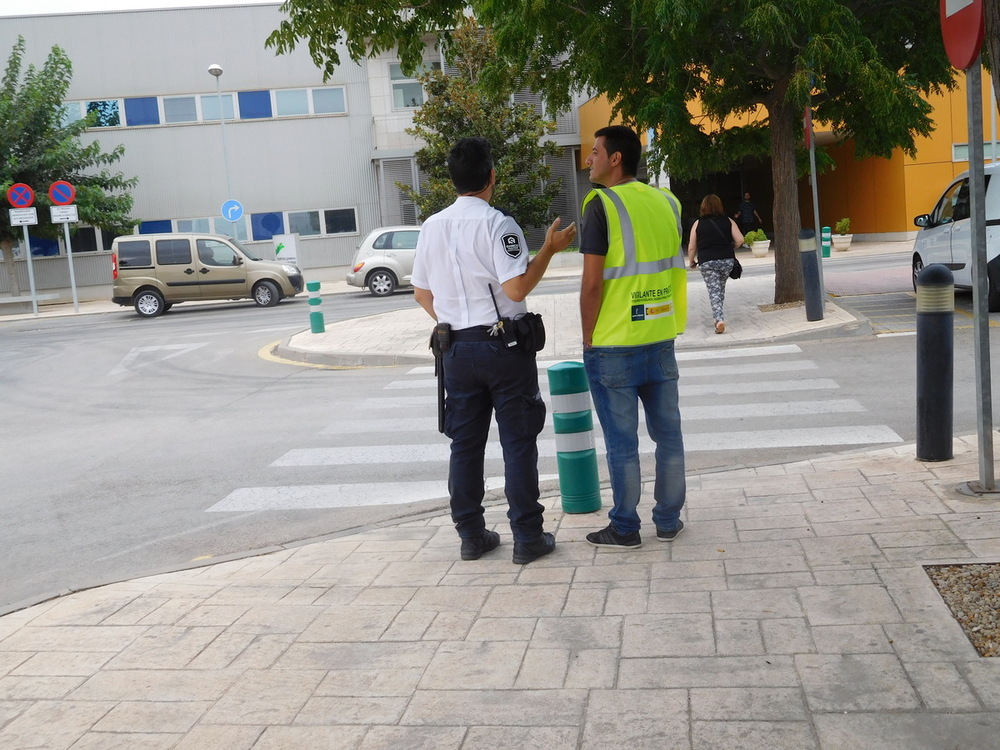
[459, 107]
[38, 148]
[864, 66]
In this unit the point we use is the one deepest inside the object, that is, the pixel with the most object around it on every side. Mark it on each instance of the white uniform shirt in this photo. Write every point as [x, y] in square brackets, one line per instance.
[461, 250]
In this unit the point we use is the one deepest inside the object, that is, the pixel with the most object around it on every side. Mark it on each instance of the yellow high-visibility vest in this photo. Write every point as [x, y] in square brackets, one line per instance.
[644, 295]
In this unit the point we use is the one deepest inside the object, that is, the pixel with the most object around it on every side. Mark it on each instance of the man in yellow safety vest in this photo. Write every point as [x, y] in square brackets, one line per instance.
[633, 304]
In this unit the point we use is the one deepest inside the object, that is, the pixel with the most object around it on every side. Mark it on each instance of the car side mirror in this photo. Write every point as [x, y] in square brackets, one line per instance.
[924, 220]
[237, 260]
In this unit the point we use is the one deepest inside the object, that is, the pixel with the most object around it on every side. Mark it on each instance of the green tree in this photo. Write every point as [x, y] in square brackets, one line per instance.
[864, 66]
[459, 107]
[38, 148]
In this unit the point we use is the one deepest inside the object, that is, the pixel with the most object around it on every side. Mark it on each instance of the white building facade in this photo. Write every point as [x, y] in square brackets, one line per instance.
[302, 155]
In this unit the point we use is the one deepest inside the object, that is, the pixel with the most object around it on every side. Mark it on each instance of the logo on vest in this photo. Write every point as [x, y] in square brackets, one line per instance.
[511, 245]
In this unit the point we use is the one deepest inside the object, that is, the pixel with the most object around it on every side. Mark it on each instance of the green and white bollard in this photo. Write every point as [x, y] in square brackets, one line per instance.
[573, 422]
[316, 324]
[826, 241]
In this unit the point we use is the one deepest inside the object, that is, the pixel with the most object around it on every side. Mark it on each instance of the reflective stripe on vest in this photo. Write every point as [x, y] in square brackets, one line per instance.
[632, 267]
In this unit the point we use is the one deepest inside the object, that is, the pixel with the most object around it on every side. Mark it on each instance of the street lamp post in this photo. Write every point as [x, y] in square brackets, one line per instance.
[216, 72]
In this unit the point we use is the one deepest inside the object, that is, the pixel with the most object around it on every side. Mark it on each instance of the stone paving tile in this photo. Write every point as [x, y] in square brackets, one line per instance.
[578, 633]
[760, 603]
[543, 669]
[147, 717]
[412, 738]
[738, 638]
[38, 687]
[351, 709]
[500, 708]
[942, 687]
[848, 605]
[787, 636]
[83, 664]
[164, 647]
[752, 735]
[855, 682]
[72, 638]
[636, 719]
[923, 731]
[215, 737]
[52, 725]
[841, 550]
[731, 671]
[311, 737]
[748, 704]
[490, 665]
[666, 635]
[519, 738]
[520, 601]
[265, 697]
[136, 740]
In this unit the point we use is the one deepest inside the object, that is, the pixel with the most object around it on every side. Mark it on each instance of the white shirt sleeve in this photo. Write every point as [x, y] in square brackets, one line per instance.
[511, 250]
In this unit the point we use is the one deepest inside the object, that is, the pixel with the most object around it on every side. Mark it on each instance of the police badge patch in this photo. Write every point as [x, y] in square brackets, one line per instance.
[511, 245]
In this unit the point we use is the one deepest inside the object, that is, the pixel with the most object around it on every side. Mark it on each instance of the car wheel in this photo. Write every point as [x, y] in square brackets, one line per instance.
[381, 283]
[918, 266]
[149, 303]
[266, 294]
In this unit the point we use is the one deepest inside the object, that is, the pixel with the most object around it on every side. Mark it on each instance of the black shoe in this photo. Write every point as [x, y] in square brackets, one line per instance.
[475, 547]
[610, 538]
[525, 552]
[669, 536]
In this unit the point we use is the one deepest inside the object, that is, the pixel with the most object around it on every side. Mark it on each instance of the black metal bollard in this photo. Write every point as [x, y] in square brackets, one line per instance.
[810, 275]
[935, 362]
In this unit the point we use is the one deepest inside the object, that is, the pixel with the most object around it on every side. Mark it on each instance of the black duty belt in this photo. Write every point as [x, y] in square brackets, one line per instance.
[476, 333]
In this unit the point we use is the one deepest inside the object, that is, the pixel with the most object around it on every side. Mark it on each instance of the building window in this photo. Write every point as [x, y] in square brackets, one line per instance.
[142, 111]
[960, 151]
[155, 227]
[305, 223]
[291, 102]
[193, 225]
[407, 91]
[210, 107]
[329, 101]
[179, 109]
[72, 111]
[265, 226]
[235, 229]
[254, 105]
[341, 221]
[105, 113]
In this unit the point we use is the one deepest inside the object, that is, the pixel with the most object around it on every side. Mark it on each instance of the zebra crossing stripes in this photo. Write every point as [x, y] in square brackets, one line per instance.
[773, 388]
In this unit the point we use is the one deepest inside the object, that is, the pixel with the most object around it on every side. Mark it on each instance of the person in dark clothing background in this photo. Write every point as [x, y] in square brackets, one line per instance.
[711, 248]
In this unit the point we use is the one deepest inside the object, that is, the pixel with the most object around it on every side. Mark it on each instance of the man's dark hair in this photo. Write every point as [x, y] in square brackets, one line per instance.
[469, 164]
[619, 139]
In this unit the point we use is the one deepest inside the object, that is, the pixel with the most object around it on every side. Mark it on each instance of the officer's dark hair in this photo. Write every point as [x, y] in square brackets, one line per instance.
[619, 139]
[469, 164]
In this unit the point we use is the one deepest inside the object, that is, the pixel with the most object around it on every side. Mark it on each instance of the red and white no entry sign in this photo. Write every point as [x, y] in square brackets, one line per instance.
[963, 26]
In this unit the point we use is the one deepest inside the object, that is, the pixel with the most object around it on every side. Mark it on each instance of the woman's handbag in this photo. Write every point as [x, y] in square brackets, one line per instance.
[737, 269]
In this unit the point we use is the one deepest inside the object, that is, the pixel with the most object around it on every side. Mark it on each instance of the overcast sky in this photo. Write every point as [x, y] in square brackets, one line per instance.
[43, 7]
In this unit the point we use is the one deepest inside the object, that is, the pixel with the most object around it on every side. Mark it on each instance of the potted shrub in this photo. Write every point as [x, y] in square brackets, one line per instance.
[842, 234]
[758, 242]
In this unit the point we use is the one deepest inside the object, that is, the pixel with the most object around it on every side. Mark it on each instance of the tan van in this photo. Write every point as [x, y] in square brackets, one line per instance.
[152, 272]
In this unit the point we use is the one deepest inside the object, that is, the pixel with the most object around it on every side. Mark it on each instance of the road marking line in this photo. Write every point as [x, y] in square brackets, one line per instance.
[129, 362]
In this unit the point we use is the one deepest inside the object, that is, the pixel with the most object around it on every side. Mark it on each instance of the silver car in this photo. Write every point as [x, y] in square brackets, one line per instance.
[384, 261]
[945, 234]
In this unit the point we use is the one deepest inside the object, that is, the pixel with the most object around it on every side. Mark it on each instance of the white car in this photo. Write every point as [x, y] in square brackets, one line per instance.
[945, 234]
[384, 261]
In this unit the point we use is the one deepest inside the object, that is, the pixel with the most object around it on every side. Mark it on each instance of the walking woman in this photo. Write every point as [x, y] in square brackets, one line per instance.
[713, 237]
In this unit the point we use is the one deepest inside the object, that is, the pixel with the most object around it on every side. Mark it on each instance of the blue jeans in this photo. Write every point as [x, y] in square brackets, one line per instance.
[482, 377]
[619, 378]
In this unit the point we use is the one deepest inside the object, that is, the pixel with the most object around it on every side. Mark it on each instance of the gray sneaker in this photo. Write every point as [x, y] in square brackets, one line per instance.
[669, 536]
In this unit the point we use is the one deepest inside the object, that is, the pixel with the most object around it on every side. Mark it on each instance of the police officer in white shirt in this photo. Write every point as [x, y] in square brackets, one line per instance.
[463, 252]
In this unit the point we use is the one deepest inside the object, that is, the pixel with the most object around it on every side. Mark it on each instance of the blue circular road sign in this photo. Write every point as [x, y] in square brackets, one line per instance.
[232, 210]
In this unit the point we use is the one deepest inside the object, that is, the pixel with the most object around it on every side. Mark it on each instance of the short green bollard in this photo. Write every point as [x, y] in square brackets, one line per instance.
[826, 241]
[316, 323]
[573, 423]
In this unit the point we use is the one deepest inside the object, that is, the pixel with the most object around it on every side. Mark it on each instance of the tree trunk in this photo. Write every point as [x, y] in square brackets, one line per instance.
[992, 41]
[7, 246]
[787, 222]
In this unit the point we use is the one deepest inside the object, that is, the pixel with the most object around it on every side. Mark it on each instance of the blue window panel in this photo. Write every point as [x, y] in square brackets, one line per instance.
[265, 226]
[142, 111]
[254, 104]
[155, 227]
[41, 246]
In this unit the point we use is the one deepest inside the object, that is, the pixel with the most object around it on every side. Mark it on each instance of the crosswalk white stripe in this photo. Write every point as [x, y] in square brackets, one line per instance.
[397, 403]
[684, 355]
[366, 455]
[742, 369]
[320, 496]
[779, 409]
[383, 425]
[756, 386]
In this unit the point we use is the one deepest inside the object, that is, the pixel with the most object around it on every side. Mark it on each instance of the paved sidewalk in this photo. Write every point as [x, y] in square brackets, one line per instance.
[793, 612]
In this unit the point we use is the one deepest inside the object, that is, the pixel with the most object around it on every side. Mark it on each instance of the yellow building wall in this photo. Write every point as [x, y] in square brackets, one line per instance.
[880, 196]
